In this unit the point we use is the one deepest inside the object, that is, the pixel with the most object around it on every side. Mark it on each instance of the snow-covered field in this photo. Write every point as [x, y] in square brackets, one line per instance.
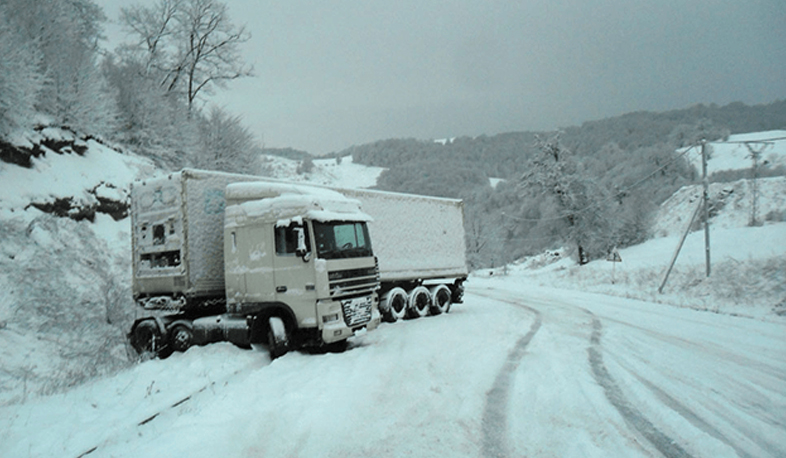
[545, 358]
[517, 370]
[343, 173]
[747, 264]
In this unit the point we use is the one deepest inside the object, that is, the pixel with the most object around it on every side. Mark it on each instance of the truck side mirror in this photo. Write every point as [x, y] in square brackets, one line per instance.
[302, 249]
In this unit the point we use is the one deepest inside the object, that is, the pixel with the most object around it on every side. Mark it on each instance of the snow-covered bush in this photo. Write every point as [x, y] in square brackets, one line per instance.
[66, 304]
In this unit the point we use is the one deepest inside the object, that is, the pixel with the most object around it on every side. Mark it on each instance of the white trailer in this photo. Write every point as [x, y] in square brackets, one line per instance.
[220, 256]
[420, 244]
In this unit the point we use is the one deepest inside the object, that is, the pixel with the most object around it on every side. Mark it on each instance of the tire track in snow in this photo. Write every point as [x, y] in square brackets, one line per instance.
[710, 349]
[664, 444]
[168, 408]
[695, 420]
[494, 424]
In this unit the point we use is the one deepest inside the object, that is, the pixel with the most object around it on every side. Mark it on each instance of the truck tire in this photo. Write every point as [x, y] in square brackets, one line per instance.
[441, 298]
[277, 337]
[147, 340]
[419, 302]
[394, 304]
[181, 337]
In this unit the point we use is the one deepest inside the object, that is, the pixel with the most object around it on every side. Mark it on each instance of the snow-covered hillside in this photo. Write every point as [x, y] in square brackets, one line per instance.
[732, 205]
[341, 173]
[747, 249]
[734, 154]
[747, 272]
[64, 265]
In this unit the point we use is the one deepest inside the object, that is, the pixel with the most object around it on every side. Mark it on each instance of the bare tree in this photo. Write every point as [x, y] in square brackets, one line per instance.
[190, 45]
[225, 144]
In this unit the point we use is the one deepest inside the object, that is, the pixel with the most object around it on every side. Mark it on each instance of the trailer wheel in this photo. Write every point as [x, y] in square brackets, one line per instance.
[277, 337]
[419, 302]
[441, 299]
[147, 340]
[181, 337]
[394, 304]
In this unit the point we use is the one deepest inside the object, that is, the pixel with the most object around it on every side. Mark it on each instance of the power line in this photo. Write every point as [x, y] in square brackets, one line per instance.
[766, 140]
[598, 203]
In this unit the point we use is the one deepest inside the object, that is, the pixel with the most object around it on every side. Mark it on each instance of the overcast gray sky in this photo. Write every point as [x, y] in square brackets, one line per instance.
[334, 73]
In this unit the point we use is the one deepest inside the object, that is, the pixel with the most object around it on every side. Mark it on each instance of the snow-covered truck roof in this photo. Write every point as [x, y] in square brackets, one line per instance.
[283, 202]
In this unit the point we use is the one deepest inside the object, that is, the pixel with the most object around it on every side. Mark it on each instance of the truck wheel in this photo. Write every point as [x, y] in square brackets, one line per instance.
[277, 338]
[441, 299]
[394, 304]
[147, 340]
[419, 302]
[181, 337]
[337, 347]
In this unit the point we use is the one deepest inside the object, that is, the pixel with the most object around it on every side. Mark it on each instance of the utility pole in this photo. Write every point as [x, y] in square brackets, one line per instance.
[703, 204]
[706, 198]
[755, 155]
[679, 246]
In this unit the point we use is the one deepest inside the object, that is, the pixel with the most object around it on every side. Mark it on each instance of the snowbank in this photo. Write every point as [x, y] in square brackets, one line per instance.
[747, 272]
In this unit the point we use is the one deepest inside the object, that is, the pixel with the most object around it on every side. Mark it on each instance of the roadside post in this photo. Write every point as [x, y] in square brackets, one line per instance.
[613, 257]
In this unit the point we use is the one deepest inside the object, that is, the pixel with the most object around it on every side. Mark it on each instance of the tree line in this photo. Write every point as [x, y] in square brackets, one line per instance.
[151, 94]
[587, 188]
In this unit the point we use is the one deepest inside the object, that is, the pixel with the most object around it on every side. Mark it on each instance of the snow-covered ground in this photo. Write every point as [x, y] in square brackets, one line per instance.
[343, 173]
[733, 205]
[747, 272]
[734, 154]
[517, 370]
[541, 360]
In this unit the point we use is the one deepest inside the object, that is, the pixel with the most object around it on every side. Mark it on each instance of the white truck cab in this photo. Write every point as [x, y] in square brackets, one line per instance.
[304, 253]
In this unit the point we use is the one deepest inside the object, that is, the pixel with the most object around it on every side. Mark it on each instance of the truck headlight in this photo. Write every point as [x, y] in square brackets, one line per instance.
[330, 318]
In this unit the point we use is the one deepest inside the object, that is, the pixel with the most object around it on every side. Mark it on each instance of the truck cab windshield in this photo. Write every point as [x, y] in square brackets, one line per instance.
[341, 239]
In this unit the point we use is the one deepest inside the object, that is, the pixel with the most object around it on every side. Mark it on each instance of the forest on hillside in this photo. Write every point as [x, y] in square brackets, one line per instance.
[587, 188]
[150, 95]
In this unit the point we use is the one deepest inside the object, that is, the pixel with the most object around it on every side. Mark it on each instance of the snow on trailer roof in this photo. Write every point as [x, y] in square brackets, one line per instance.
[286, 202]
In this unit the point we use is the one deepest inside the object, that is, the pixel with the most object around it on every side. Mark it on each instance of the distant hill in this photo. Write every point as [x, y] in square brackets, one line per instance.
[502, 155]
[629, 158]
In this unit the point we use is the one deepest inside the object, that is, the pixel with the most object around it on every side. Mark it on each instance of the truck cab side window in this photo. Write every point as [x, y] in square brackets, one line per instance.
[286, 239]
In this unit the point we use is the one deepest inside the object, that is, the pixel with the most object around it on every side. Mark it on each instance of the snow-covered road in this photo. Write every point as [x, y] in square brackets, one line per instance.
[606, 376]
[515, 371]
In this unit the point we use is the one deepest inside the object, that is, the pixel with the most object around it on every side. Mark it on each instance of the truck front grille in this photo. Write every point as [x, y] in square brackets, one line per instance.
[356, 311]
[353, 282]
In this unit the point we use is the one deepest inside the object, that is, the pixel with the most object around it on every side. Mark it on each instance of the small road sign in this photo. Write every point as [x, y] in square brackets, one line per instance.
[614, 256]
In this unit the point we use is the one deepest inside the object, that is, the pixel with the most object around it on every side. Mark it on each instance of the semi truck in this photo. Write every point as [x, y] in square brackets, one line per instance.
[253, 260]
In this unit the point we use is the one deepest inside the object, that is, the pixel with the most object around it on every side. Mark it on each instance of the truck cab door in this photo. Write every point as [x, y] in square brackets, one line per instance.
[294, 274]
[249, 270]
